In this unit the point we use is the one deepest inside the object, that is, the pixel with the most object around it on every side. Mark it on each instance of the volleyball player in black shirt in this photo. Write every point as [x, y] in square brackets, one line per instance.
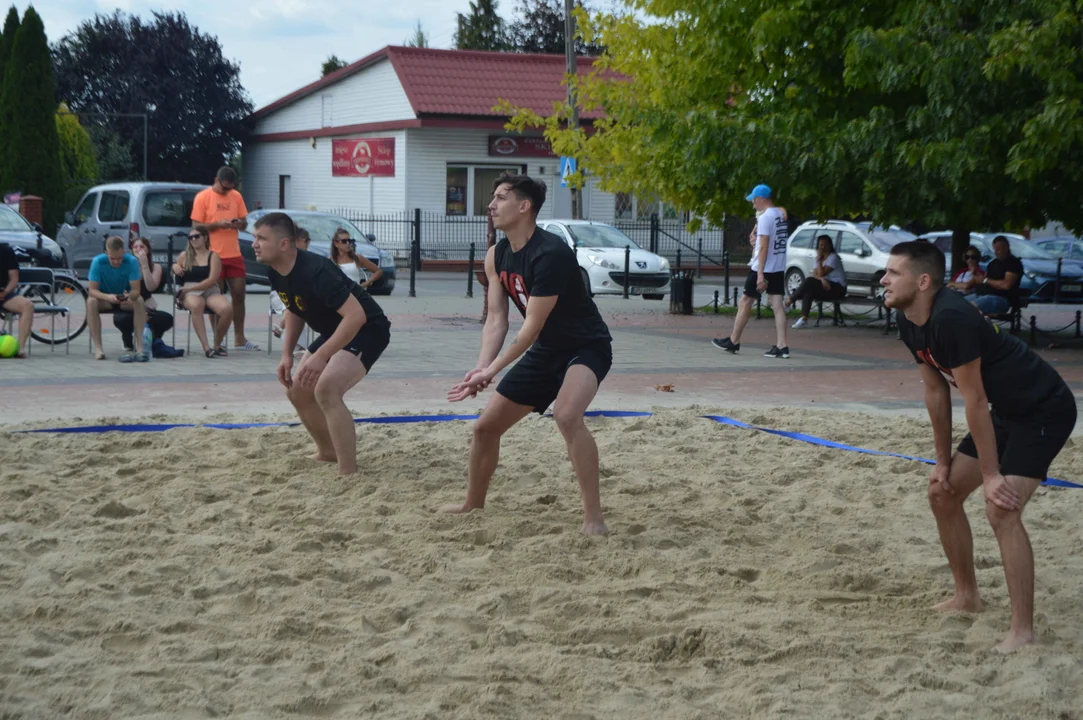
[1008, 449]
[564, 345]
[353, 333]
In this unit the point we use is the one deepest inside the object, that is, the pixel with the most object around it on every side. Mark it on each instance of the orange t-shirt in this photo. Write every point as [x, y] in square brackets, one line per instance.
[210, 207]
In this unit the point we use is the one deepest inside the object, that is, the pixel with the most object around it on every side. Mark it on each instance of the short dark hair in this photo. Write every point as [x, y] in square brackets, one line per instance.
[525, 188]
[114, 243]
[830, 242]
[302, 234]
[1001, 238]
[926, 258]
[280, 223]
[226, 174]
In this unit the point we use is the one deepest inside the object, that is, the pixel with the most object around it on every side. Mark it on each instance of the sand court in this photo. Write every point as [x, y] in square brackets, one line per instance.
[203, 573]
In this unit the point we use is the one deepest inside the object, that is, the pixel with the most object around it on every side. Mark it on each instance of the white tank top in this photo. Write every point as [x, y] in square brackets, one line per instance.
[352, 271]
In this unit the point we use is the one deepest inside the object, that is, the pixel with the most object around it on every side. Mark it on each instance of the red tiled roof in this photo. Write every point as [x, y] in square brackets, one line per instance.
[462, 82]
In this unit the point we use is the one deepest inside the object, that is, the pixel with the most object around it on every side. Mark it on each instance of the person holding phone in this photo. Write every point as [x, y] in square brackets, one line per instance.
[115, 285]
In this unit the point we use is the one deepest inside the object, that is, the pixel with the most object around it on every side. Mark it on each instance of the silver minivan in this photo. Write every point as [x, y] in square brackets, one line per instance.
[863, 249]
[153, 210]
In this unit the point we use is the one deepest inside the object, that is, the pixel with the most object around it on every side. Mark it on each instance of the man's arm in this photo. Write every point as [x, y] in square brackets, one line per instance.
[978, 418]
[294, 326]
[496, 323]
[1010, 280]
[353, 317]
[537, 312]
[938, 403]
[761, 259]
[94, 291]
[13, 282]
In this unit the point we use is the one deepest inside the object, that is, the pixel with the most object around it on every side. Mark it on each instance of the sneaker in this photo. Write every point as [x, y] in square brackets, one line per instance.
[727, 345]
[799, 324]
[775, 352]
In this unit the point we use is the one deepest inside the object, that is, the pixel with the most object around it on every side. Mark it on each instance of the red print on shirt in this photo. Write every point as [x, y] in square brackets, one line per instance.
[926, 357]
[515, 286]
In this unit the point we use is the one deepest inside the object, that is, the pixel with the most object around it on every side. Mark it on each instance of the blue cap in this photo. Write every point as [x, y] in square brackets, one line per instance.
[759, 191]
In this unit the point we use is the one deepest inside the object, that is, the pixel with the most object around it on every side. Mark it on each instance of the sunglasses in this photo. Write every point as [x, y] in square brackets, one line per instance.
[344, 240]
[973, 257]
[195, 236]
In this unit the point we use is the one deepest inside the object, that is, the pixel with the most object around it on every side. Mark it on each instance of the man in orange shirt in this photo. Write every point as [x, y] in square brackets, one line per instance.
[220, 208]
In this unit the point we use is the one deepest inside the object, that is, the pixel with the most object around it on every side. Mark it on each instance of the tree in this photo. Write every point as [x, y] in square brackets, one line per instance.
[31, 160]
[482, 29]
[114, 155]
[419, 39]
[7, 40]
[540, 29]
[78, 164]
[906, 110]
[165, 68]
[332, 64]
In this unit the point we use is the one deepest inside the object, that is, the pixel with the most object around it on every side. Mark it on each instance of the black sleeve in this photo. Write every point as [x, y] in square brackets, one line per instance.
[551, 272]
[7, 262]
[958, 338]
[1015, 265]
[331, 286]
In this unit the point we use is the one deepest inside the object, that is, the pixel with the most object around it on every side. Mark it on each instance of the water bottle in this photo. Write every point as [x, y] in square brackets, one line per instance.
[148, 341]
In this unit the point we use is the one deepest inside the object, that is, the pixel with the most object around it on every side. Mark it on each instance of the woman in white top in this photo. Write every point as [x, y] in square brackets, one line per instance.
[344, 255]
[828, 280]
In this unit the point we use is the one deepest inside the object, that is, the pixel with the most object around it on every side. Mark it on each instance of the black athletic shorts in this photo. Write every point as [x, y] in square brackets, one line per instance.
[536, 379]
[368, 344]
[1026, 446]
[776, 284]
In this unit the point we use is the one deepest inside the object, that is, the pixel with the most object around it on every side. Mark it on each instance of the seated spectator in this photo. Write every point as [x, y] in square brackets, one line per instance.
[160, 322]
[198, 269]
[970, 276]
[344, 254]
[114, 285]
[998, 293]
[12, 303]
[828, 280]
[277, 306]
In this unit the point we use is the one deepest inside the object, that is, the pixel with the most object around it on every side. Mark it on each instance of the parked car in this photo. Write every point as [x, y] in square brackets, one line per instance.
[600, 252]
[1068, 248]
[863, 248]
[149, 209]
[321, 226]
[1039, 267]
[23, 237]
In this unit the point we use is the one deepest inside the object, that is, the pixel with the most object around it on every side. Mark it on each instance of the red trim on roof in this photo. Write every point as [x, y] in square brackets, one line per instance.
[335, 131]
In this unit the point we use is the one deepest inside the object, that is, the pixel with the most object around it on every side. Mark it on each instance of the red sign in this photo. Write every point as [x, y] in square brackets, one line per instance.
[363, 157]
[512, 146]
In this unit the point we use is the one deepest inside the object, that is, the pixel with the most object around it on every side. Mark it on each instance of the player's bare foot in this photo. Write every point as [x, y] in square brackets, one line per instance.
[594, 527]
[1016, 640]
[323, 457]
[961, 603]
[347, 471]
[458, 509]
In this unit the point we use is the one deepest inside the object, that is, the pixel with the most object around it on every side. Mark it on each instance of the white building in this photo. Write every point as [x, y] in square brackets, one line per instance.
[439, 143]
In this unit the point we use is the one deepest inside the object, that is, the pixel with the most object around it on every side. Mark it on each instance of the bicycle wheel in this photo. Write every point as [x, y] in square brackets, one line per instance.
[53, 329]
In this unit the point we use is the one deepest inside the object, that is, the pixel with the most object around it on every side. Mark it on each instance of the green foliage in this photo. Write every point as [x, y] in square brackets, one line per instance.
[419, 39]
[482, 28]
[31, 158]
[332, 64]
[78, 163]
[957, 113]
[7, 40]
[540, 29]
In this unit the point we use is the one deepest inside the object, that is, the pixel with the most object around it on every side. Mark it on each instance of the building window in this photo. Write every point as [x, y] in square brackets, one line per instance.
[628, 207]
[470, 188]
[623, 206]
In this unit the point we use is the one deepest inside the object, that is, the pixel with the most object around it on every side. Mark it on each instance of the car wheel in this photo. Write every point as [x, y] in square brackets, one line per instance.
[586, 282]
[794, 279]
[654, 296]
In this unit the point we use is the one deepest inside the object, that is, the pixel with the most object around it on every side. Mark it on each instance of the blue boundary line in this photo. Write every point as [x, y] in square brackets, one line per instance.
[813, 440]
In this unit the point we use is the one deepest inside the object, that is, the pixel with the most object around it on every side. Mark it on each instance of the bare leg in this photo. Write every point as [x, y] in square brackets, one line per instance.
[500, 414]
[744, 310]
[139, 309]
[342, 373]
[304, 400]
[955, 536]
[25, 308]
[1018, 559]
[94, 322]
[780, 319]
[224, 312]
[236, 292]
[579, 388]
[195, 304]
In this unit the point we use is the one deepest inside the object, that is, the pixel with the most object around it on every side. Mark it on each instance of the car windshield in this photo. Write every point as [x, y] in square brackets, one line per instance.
[887, 239]
[599, 236]
[1020, 248]
[10, 220]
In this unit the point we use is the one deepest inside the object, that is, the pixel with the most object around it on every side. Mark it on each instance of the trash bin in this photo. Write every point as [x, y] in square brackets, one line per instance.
[680, 292]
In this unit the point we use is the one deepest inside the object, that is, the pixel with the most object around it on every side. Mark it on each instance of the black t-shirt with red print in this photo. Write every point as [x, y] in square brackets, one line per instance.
[1017, 381]
[316, 288]
[546, 266]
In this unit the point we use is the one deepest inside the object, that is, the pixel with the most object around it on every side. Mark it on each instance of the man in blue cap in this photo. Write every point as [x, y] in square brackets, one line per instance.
[766, 271]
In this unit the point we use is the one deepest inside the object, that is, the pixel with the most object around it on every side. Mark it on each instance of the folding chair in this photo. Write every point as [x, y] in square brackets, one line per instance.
[45, 278]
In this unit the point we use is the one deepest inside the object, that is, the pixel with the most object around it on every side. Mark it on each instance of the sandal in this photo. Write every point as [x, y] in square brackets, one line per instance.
[276, 331]
[209, 353]
[142, 357]
[220, 351]
[249, 345]
[126, 358]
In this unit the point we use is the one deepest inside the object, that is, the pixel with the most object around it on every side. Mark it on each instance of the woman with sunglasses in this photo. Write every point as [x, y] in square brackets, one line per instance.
[199, 268]
[970, 276]
[344, 255]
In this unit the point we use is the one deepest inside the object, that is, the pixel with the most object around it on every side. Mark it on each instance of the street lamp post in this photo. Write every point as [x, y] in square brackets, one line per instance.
[570, 69]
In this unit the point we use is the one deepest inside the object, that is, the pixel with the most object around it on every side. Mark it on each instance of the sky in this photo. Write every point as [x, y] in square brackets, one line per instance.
[281, 44]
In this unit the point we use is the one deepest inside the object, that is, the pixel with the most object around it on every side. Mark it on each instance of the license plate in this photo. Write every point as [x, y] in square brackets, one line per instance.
[1071, 288]
[637, 290]
[160, 258]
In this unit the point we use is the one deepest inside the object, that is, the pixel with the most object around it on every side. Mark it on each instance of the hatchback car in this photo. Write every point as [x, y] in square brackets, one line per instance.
[1068, 248]
[600, 251]
[26, 239]
[863, 248]
[321, 226]
[1039, 280]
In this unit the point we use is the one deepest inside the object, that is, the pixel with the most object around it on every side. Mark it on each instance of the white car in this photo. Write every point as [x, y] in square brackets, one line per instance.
[600, 249]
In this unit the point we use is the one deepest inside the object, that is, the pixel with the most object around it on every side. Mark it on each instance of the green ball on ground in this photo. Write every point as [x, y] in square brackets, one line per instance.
[9, 346]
